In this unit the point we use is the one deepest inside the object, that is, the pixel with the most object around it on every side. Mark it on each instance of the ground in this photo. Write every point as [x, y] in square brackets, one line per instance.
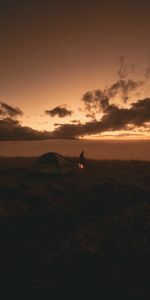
[87, 229]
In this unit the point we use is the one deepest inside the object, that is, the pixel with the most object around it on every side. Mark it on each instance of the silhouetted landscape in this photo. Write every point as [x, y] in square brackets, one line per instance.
[89, 228]
[75, 147]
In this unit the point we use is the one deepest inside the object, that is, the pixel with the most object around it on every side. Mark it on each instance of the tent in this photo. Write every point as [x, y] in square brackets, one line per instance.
[53, 163]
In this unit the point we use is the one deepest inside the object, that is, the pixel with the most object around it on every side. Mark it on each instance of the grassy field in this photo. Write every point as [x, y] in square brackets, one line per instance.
[87, 229]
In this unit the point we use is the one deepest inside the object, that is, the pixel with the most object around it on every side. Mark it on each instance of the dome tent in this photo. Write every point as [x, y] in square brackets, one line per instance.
[53, 163]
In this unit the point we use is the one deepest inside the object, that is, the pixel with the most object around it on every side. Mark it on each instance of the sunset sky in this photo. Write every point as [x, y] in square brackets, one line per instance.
[84, 65]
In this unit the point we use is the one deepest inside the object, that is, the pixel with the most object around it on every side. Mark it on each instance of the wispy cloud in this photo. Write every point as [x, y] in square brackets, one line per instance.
[124, 69]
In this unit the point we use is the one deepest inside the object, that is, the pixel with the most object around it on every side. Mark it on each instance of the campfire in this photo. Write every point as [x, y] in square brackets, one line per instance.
[81, 166]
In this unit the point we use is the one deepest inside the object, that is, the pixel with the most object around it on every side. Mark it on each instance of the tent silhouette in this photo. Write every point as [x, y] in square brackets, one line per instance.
[53, 163]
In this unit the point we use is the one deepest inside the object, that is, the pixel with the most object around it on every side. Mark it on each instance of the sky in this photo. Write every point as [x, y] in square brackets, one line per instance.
[74, 70]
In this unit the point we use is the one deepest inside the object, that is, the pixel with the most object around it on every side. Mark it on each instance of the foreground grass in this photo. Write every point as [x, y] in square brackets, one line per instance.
[87, 229]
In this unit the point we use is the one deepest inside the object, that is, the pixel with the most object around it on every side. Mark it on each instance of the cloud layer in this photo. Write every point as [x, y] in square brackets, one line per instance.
[11, 129]
[114, 118]
[100, 105]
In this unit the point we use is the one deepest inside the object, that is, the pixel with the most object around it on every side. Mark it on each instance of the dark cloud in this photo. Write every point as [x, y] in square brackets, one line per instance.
[141, 110]
[114, 118]
[11, 130]
[10, 111]
[60, 111]
[118, 118]
[67, 131]
[95, 101]
[98, 100]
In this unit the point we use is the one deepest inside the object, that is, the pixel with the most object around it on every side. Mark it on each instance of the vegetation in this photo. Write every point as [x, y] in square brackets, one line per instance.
[87, 229]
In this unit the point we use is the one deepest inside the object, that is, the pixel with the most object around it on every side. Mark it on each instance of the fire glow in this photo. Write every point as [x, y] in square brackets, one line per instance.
[81, 166]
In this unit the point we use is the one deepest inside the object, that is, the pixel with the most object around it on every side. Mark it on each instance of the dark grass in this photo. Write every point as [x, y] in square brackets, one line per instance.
[88, 229]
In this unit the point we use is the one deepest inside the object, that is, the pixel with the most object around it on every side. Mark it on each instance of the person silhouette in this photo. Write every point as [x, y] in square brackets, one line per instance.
[82, 159]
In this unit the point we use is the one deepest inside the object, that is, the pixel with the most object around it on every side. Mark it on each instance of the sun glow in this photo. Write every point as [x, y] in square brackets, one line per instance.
[119, 135]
